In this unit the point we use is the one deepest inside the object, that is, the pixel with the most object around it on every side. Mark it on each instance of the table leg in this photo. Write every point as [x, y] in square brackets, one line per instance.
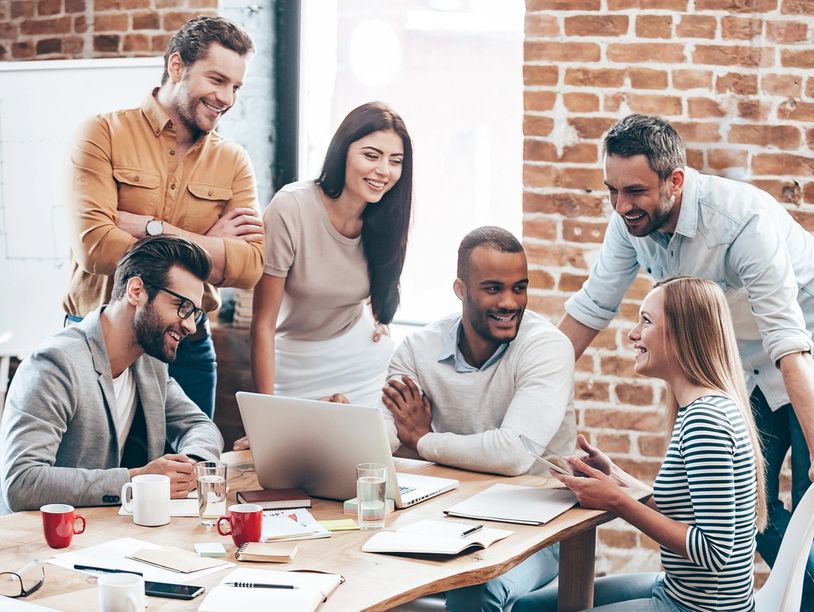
[577, 554]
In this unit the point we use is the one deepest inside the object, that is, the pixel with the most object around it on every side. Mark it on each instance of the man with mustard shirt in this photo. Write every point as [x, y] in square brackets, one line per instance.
[162, 169]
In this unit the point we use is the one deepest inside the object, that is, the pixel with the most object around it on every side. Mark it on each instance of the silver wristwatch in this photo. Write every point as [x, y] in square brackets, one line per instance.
[154, 227]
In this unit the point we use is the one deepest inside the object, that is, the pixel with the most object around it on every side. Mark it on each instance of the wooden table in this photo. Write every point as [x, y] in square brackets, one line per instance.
[373, 581]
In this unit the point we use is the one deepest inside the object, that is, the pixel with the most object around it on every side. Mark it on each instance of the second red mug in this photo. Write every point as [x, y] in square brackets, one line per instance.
[244, 521]
[60, 523]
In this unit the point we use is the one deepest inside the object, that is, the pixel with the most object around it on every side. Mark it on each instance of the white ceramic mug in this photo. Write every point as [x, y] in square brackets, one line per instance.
[121, 592]
[147, 496]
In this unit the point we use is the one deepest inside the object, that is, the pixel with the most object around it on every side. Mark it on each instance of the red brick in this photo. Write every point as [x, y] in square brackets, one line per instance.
[733, 55]
[695, 158]
[797, 7]
[556, 255]
[22, 50]
[606, 339]
[617, 366]
[80, 24]
[580, 153]
[786, 85]
[571, 283]
[737, 6]
[136, 43]
[566, 177]
[719, 159]
[704, 108]
[670, 5]
[786, 31]
[780, 136]
[539, 176]
[782, 164]
[596, 25]
[589, 77]
[539, 100]
[797, 111]
[581, 102]
[147, 20]
[810, 138]
[565, 204]
[620, 419]
[540, 228]
[612, 103]
[562, 5]
[547, 305]
[754, 110]
[52, 25]
[534, 125]
[654, 105]
[3, 53]
[806, 219]
[787, 192]
[590, 127]
[810, 87]
[73, 45]
[75, 6]
[22, 9]
[561, 51]
[582, 231]
[541, 25]
[110, 22]
[532, 75]
[590, 391]
[539, 150]
[794, 58]
[213, 4]
[743, 84]
[652, 53]
[585, 363]
[629, 312]
[613, 443]
[654, 26]
[160, 42]
[617, 538]
[8, 31]
[540, 279]
[48, 7]
[49, 45]
[107, 5]
[106, 43]
[692, 79]
[696, 26]
[652, 446]
[741, 28]
[808, 193]
[639, 468]
[637, 395]
[174, 20]
[647, 78]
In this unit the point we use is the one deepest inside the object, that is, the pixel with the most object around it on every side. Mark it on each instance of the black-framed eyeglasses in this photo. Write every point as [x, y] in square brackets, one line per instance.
[24, 581]
[186, 308]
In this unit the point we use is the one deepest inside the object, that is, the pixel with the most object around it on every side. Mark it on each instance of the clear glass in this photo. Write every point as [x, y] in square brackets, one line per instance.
[371, 488]
[24, 581]
[210, 477]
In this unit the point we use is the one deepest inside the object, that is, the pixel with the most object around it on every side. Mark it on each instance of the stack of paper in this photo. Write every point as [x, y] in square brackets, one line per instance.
[434, 537]
[515, 504]
[297, 524]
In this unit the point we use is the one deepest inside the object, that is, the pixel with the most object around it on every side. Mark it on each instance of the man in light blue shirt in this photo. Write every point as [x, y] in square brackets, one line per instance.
[671, 220]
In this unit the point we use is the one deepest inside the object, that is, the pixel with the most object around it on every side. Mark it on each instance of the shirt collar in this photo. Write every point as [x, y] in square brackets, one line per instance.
[688, 215]
[450, 350]
[156, 116]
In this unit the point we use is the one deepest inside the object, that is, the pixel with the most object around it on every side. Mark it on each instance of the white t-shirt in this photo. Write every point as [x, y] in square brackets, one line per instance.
[124, 410]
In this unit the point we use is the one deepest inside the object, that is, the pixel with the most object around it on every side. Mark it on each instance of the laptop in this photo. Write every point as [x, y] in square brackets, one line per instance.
[316, 446]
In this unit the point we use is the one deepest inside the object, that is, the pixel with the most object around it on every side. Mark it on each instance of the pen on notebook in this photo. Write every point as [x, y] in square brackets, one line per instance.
[260, 585]
[105, 570]
[471, 530]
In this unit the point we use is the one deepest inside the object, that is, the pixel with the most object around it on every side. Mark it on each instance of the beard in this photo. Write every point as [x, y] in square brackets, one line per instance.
[659, 217]
[150, 335]
[482, 323]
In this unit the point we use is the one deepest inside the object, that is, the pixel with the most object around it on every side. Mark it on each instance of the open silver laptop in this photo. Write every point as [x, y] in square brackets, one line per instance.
[316, 446]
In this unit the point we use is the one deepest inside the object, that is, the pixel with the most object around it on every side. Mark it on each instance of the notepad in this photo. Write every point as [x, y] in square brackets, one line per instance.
[267, 552]
[312, 589]
[176, 559]
[515, 504]
[297, 524]
[435, 537]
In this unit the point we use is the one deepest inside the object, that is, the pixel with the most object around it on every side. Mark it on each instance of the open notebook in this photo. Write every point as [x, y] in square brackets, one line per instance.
[310, 590]
[515, 504]
[444, 537]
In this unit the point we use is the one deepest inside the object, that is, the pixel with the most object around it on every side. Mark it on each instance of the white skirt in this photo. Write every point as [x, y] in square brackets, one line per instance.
[350, 364]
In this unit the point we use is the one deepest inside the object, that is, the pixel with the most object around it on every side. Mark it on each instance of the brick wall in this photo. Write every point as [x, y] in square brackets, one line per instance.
[72, 29]
[735, 78]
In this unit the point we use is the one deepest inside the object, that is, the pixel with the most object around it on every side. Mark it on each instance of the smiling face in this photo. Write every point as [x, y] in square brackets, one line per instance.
[645, 202]
[158, 328]
[494, 295]
[373, 165]
[208, 88]
[654, 355]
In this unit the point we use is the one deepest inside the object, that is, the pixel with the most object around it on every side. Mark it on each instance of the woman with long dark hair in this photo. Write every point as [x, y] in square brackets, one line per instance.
[334, 245]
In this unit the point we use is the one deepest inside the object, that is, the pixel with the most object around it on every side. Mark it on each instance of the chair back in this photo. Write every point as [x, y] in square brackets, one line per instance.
[783, 590]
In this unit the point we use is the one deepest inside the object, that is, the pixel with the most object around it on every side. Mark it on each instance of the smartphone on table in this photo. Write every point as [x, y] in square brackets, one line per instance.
[173, 591]
[551, 460]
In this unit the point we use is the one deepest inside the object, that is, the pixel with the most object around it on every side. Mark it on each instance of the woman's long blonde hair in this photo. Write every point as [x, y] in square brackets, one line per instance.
[699, 328]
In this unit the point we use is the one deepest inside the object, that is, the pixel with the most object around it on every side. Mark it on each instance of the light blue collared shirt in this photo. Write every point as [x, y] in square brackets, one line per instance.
[450, 350]
[737, 236]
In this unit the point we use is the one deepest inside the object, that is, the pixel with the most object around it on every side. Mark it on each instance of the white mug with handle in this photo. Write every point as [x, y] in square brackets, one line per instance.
[147, 497]
[121, 592]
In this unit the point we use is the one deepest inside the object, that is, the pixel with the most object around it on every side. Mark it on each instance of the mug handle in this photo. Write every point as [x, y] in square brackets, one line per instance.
[79, 519]
[127, 504]
[218, 524]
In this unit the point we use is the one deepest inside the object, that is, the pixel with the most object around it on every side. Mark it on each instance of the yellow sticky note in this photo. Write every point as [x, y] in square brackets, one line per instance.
[340, 525]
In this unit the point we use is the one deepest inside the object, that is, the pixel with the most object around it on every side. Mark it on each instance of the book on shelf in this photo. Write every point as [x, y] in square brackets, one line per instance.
[295, 524]
[434, 537]
[267, 552]
[515, 504]
[272, 499]
[295, 591]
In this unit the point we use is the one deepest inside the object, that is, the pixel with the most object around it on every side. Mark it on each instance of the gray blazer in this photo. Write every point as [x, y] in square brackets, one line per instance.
[58, 436]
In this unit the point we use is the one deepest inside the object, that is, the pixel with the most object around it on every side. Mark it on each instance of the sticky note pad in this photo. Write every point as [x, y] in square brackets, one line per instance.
[340, 525]
[210, 549]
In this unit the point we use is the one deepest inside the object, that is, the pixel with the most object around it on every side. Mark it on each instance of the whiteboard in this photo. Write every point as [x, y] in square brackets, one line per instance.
[41, 106]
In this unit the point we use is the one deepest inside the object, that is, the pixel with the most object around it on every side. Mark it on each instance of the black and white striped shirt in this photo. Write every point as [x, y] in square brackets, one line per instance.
[707, 481]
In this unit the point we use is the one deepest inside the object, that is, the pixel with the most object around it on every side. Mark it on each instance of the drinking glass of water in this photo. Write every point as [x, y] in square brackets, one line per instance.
[371, 487]
[211, 480]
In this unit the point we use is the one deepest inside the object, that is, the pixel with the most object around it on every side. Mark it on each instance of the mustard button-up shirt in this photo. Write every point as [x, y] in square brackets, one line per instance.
[126, 160]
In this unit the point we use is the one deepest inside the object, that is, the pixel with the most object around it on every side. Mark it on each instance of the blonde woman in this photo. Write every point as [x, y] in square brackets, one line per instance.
[708, 499]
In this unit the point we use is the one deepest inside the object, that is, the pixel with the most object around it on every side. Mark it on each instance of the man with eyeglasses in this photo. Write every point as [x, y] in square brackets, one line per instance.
[95, 406]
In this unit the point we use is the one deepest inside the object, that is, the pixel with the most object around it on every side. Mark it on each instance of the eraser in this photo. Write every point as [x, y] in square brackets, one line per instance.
[349, 507]
[210, 549]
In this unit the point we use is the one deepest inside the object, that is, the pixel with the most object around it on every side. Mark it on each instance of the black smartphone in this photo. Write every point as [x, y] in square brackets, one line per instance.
[173, 591]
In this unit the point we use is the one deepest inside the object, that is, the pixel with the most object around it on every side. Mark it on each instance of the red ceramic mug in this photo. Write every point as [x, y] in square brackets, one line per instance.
[245, 522]
[60, 523]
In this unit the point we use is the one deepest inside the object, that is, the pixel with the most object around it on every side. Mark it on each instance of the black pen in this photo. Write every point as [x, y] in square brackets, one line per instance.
[260, 585]
[105, 570]
[471, 530]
